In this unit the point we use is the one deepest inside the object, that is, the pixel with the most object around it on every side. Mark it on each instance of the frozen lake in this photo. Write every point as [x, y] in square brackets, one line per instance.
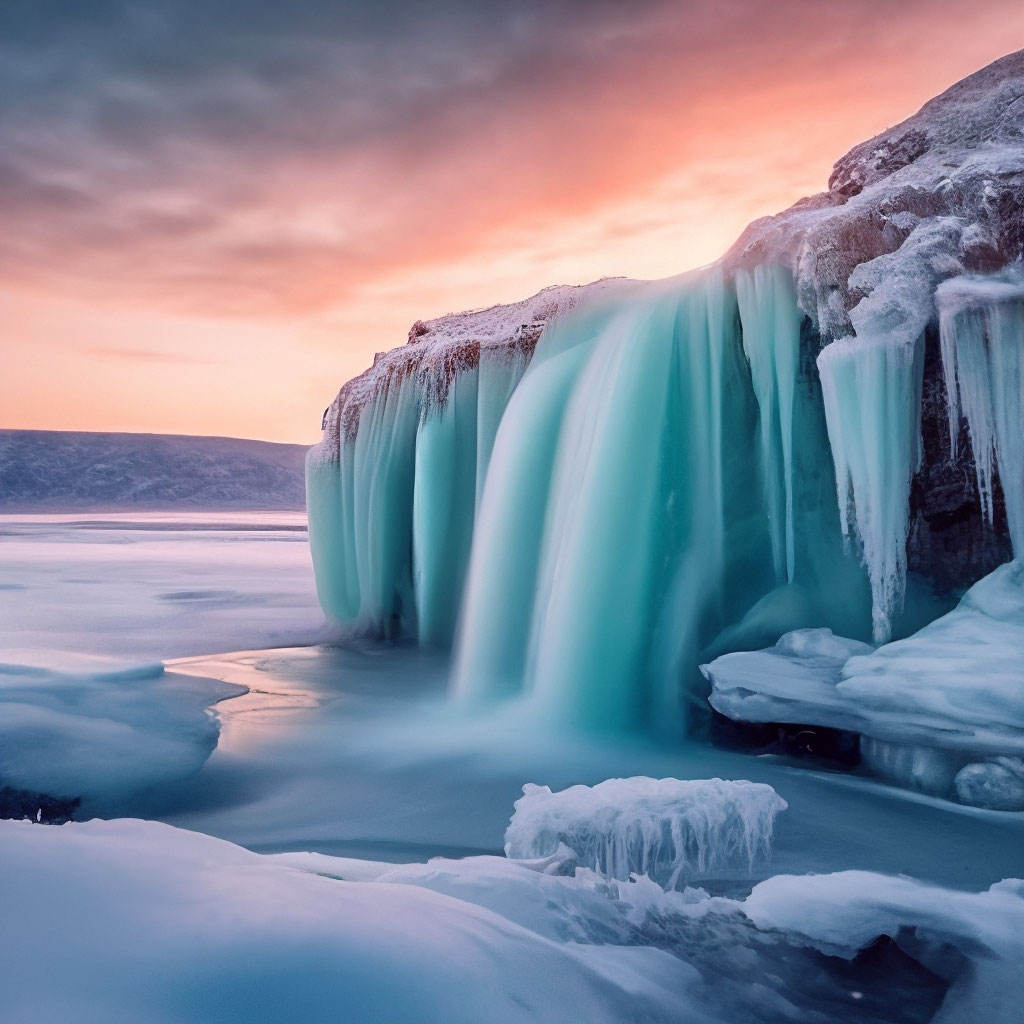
[156, 585]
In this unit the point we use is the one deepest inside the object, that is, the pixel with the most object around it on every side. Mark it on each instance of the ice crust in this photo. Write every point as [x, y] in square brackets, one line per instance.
[670, 830]
[303, 937]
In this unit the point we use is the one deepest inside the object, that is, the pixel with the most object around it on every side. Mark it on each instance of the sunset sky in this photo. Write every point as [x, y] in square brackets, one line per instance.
[215, 212]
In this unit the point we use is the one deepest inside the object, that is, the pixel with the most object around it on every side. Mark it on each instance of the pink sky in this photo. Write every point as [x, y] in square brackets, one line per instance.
[212, 244]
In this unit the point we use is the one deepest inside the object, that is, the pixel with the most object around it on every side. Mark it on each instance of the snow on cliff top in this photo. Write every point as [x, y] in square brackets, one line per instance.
[936, 196]
[499, 324]
[439, 349]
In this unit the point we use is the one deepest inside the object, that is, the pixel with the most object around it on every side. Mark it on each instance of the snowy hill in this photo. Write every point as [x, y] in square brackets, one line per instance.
[48, 470]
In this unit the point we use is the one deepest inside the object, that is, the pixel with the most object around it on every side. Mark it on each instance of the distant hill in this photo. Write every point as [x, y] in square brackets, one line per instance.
[52, 470]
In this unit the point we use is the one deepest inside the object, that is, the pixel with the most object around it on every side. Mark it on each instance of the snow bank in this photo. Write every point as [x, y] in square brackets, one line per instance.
[667, 829]
[76, 725]
[232, 935]
[130, 921]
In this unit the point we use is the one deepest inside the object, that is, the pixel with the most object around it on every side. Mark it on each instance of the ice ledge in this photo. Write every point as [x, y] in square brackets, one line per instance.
[928, 708]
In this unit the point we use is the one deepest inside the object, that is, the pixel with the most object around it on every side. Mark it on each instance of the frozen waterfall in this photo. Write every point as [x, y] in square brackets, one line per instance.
[653, 485]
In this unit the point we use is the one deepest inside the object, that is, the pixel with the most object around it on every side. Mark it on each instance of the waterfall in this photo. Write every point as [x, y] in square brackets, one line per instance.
[643, 497]
[652, 486]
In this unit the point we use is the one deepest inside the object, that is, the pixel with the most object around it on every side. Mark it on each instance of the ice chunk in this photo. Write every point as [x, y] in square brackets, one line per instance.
[669, 829]
[794, 681]
[998, 784]
[929, 705]
[963, 673]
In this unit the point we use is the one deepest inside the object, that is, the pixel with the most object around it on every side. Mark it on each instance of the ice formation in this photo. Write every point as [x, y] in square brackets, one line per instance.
[566, 490]
[668, 829]
[871, 388]
[982, 331]
[941, 711]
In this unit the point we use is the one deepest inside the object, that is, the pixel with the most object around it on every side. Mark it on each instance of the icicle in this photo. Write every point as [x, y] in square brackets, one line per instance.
[982, 335]
[872, 394]
[771, 342]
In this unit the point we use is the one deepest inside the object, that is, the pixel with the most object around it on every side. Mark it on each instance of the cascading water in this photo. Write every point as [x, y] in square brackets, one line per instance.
[622, 528]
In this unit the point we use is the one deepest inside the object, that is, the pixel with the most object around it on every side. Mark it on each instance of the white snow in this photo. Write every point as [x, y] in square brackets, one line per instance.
[669, 829]
[129, 921]
[230, 934]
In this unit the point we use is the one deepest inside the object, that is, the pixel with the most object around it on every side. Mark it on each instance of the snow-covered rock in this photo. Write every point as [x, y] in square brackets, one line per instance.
[938, 195]
[671, 830]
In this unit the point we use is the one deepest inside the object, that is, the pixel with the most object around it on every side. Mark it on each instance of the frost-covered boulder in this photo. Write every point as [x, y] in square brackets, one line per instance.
[671, 830]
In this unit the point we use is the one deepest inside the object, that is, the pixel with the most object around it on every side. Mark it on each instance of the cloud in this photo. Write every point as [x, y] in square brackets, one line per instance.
[206, 155]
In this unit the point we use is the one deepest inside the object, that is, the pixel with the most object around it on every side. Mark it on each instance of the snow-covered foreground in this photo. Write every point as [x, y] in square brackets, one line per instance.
[718, 888]
[137, 921]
